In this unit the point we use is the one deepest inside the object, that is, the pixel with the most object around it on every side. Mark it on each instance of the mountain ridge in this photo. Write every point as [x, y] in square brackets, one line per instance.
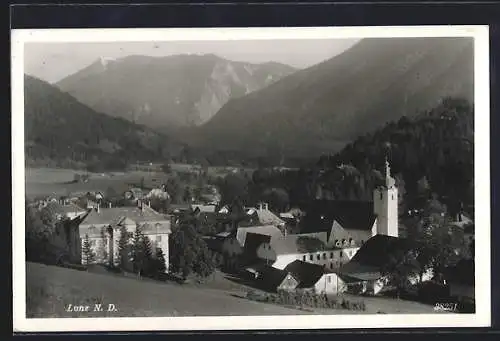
[168, 91]
[63, 131]
[323, 107]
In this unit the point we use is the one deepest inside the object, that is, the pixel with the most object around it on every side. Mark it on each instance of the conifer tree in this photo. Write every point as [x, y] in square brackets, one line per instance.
[123, 247]
[88, 254]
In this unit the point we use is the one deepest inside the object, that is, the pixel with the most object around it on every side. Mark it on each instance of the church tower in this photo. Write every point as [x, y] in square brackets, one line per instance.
[385, 205]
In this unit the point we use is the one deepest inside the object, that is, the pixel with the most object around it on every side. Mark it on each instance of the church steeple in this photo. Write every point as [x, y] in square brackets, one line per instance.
[389, 180]
[385, 205]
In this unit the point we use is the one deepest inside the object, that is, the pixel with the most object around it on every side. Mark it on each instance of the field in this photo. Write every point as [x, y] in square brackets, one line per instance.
[57, 182]
[50, 289]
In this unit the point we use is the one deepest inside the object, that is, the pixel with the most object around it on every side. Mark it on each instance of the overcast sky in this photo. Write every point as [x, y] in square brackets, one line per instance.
[54, 61]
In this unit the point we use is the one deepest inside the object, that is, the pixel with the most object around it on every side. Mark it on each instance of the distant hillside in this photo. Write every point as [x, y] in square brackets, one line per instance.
[432, 152]
[168, 92]
[321, 108]
[59, 130]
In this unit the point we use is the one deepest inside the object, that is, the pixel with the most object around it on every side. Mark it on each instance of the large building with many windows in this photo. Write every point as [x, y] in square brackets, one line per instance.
[103, 226]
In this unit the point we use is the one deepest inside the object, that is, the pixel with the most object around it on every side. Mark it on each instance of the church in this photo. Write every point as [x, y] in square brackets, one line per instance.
[352, 223]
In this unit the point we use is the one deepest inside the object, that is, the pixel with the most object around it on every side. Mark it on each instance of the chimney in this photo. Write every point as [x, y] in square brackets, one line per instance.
[109, 204]
[97, 207]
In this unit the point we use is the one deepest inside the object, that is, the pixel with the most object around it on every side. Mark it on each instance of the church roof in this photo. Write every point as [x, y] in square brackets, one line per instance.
[351, 216]
[370, 260]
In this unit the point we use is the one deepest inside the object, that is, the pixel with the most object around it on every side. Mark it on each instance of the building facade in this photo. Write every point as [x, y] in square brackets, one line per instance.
[103, 227]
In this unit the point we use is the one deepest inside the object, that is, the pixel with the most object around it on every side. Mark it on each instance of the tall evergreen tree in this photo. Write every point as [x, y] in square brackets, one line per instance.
[88, 253]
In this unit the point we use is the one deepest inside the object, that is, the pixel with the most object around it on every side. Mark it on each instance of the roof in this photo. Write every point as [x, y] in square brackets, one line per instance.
[370, 260]
[307, 274]
[268, 230]
[351, 215]
[288, 244]
[461, 273]
[268, 277]
[204, 208]
[64, 209]
[268, 218]
[115, 215]
[253, 241]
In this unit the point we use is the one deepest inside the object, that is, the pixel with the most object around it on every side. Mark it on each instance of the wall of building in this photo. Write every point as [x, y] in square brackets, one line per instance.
[385, 205]
[331, 259]
[330, 283]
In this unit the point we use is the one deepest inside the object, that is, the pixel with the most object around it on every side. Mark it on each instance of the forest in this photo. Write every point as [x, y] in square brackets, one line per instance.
[431, 155]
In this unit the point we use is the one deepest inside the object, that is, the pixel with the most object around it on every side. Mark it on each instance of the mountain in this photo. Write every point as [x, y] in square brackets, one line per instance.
[321, 108]
[59, 130]
[168, 92]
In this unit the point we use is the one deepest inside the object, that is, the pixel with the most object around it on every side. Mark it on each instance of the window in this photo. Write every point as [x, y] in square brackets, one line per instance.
[331, 255]
[158, 238]
[392, 196]
[340, 254]
[324, 255]
[381, 196]
[318, 256]
[304, 258]
[331, 265]
[310, 257]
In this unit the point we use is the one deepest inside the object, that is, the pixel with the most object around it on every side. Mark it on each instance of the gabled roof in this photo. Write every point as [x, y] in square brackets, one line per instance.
[115, 215]
[350, 215]
[204, 208]
[268, 277]
[307, 274]
[268, 230]
[288, 244]
[64, 209]
[370, 260]
[267, 217]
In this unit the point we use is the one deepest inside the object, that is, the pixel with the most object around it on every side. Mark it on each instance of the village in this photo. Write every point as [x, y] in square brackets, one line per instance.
[329, 248]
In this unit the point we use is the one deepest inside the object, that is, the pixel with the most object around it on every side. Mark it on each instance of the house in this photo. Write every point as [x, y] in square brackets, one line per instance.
[311, 248]
[316, 277]
[460, 280]
[158, 193]
[240, 246]
[265, 216]
[66, 238]
[103, 227]
[271, 279]
[352, 223]
[134, 194]
[367, 271]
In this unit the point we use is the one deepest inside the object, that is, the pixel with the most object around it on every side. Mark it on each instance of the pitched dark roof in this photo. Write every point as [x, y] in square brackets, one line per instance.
[253, 241]
[373, 256]
[307, 274]
[269, 278]
[351, 215]
[461, 273]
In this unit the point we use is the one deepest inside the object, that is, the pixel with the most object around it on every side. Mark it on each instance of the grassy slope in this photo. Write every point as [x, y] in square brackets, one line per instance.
[50, 288]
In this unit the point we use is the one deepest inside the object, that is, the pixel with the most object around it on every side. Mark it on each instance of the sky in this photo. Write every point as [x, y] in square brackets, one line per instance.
[54, 61]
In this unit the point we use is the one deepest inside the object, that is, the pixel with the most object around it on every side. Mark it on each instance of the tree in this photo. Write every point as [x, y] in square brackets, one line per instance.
[189, 252]
[88, 253]
[102, 251]
[141, 253]
[123, 247]
[159, 262]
